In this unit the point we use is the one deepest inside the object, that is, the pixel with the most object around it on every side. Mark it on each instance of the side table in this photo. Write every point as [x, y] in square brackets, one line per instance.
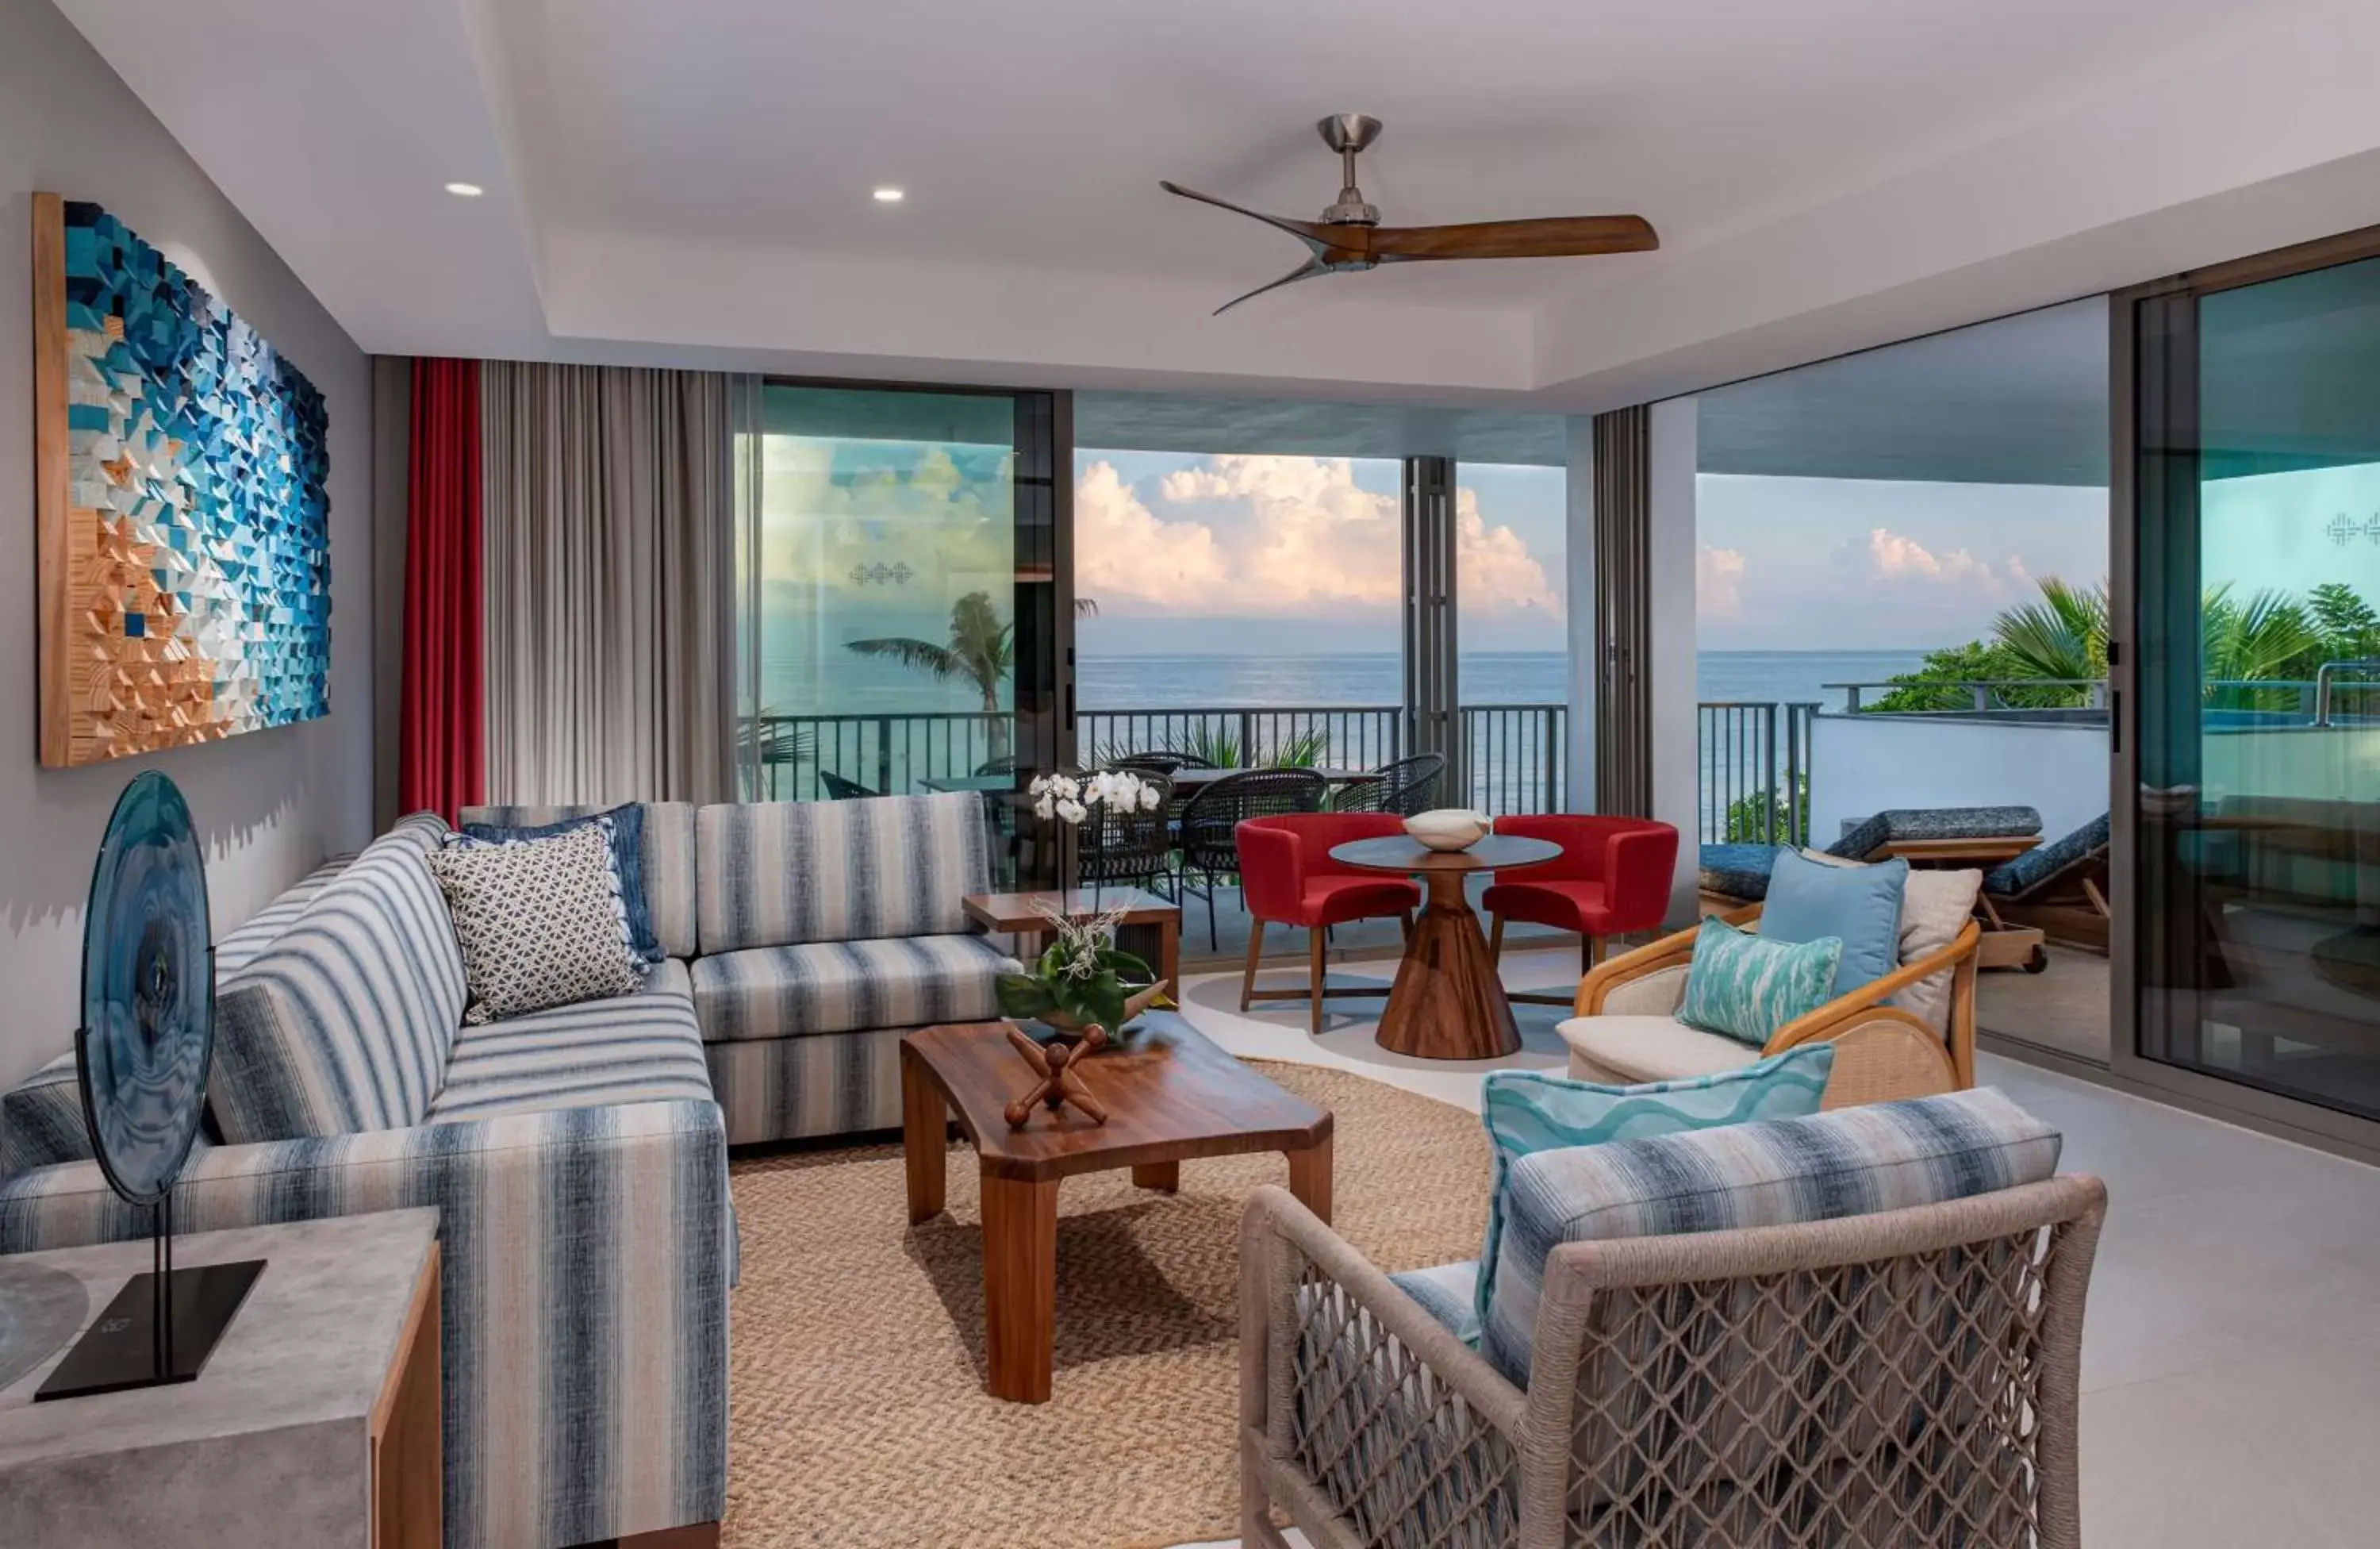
[315, 1424]
[1144, 915]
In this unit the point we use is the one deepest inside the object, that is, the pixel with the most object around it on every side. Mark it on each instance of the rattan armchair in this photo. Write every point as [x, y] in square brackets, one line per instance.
[1893, 1381]
[1883, 1053]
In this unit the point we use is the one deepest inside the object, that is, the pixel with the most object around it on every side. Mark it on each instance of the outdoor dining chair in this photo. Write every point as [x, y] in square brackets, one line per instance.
[1211, 821]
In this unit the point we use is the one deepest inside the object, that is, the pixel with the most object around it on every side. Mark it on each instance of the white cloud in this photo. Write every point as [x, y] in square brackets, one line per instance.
[1718, 582]
[1895, 557]
[1256, 535]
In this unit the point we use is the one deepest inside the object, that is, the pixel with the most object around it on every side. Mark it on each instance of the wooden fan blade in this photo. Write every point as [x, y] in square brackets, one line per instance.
[1557, 236]
[1305, 271]
[1304, 231]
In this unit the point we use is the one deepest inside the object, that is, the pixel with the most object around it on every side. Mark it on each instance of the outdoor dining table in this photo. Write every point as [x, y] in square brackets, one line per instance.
[1447, 1002]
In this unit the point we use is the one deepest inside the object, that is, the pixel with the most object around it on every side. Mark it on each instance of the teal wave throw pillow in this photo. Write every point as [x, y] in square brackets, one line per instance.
[1747, 986]
[1528, 1111]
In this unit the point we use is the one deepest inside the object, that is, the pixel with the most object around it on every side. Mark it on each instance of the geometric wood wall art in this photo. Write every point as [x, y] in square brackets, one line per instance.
[183, 505]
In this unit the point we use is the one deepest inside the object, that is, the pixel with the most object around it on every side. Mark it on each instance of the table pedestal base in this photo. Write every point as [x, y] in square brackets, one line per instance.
[1447, 1003]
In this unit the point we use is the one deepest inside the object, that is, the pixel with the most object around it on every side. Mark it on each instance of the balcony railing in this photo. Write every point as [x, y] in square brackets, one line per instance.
[1517, 758]
[1756, 772]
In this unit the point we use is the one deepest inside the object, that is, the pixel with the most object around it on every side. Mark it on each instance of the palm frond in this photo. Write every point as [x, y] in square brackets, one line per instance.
[938, 661]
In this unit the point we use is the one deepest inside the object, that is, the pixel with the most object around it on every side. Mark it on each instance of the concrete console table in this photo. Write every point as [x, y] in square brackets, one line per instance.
[315, 1423]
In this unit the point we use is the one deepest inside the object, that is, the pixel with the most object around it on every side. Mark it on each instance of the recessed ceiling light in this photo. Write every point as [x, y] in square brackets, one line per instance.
[464, 190]
[888, 194]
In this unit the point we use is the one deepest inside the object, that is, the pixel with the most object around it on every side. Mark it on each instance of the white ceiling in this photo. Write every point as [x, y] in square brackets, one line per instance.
[691, 181]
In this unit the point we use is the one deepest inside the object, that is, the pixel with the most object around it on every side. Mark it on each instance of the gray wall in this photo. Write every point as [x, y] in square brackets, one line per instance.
[270, 804]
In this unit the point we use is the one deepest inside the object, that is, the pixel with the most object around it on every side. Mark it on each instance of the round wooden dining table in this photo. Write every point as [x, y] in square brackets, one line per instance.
[1447, 1002]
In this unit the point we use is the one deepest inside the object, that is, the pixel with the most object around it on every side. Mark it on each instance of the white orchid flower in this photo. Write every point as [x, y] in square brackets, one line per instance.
[1071, 809]
[1045, 806]
[1149, 799]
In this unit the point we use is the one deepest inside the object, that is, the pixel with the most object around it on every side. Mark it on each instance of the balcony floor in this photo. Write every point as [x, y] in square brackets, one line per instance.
[2063, 1008]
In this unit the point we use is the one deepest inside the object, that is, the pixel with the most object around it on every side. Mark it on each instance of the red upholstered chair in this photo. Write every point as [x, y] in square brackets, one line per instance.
[1288, 878]
[1612, 876]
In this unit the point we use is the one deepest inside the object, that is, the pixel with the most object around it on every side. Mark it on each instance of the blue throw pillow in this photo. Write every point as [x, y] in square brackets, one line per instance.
[1860, 905]
[1745, 987]
[627, 858]
[1528, 1111]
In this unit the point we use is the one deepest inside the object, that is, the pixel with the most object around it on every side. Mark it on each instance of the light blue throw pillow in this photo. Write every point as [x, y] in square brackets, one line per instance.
[1858, 905]
[1745, 987]
[1529, 1111]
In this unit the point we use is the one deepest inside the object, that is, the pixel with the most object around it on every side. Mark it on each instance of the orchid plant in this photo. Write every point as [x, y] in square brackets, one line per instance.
[1071, 798]
[1083, 979]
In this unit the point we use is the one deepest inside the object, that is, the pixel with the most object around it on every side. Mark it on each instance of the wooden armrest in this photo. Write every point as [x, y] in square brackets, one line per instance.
[1669, 952]
[1870, 995]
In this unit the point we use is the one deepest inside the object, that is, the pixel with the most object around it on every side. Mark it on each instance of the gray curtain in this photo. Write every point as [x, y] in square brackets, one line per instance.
[610, 588]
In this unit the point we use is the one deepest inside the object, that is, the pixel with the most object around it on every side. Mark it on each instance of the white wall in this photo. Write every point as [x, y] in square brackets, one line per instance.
[1677, 778]
[1861, 764]
[270, 804]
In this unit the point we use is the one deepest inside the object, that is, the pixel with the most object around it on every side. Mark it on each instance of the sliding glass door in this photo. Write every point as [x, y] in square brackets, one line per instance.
[2256, 824]
[901, 627]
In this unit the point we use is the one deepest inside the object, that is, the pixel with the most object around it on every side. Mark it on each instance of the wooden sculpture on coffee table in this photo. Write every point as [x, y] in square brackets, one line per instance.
[1060, 1085]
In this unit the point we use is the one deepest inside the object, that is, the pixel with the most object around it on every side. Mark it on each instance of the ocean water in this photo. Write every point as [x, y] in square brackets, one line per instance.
[1152, 682]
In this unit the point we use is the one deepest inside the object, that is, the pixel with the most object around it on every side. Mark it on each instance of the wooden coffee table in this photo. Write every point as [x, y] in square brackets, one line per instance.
[1170, 1095]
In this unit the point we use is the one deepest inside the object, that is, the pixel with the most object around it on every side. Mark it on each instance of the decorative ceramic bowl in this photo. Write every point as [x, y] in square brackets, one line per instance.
[1065, 1030]
[1449, 828]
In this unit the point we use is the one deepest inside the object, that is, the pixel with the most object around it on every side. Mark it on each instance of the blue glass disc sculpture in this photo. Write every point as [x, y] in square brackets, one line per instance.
[142, 1053]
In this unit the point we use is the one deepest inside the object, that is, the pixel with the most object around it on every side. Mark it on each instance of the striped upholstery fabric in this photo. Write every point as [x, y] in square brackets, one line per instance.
[424, 831]
[668, 855]
[41, 1119]
[640, 1048]
[792, 1089]
[1448, 1293]
[585, 1256]
[344, 1023]
[844, 986]
[783, 872]
[1850, 1162]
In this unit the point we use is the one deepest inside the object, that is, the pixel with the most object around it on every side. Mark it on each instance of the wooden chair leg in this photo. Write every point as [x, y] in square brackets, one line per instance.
[1590, 954]
[1495, 938]
[1313, 979]
[1255, 950]
[1404, 924]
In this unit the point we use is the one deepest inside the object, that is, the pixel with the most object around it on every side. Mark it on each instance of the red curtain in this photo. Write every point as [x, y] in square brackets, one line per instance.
[440, 745]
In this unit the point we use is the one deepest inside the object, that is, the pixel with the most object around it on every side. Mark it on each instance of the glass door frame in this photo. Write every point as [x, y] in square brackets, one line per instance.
[1042, 490]
[2153, 346]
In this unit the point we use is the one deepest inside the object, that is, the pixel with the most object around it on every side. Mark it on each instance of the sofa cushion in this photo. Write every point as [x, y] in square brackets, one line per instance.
[344, 1023]
[1854, 1160]
[667, 859]
[778, 873]
[843, 986]
[626, 833]
[41, 1119]
[1529, 1111]
[638, 1048]
[540, 922]
[1447, 1292]
[1629, 1051]
[242, 946]
[1936, 905]
[1747, 986]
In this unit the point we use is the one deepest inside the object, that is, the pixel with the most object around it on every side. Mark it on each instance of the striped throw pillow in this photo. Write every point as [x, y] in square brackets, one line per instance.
[1856, 1161]
[1745, 986]
[1527, 1111]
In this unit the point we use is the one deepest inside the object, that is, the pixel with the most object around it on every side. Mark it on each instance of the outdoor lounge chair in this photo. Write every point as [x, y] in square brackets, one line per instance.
[2059, 889]
[1733, 876]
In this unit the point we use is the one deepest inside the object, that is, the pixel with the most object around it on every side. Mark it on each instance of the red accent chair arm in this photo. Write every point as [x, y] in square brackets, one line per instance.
[1639, 863]
[1272, 869]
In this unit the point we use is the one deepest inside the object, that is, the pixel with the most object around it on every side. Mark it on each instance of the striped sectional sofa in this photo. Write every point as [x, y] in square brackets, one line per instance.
[576, 1158]
[810, 936]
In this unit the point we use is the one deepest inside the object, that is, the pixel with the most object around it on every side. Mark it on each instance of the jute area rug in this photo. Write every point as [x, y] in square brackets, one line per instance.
[858, 1414]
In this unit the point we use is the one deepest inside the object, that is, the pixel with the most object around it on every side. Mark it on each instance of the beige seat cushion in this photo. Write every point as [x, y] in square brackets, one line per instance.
[1628, 1051]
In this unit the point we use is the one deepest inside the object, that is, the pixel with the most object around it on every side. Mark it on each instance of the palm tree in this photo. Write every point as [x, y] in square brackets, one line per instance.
[2063, 634]
[981, 650]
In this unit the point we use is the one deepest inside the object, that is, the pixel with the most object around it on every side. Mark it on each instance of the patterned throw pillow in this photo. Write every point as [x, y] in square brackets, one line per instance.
[1745, 986]
[625, 881]
[627, 835]
[539, 922]
[1529, 1111]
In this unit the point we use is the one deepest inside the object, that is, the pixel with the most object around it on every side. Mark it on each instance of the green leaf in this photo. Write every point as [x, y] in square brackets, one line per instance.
[1023, 995]
[1123, 962]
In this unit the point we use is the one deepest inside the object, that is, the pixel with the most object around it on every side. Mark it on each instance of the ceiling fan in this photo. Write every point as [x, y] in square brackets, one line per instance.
[1349, 237]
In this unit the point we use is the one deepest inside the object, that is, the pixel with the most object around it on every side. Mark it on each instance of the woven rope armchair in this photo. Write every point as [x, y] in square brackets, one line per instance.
[1883, 1053]
[1898, 1380]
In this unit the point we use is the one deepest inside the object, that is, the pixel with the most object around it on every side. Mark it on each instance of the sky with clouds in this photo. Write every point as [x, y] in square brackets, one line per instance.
[1250, 554]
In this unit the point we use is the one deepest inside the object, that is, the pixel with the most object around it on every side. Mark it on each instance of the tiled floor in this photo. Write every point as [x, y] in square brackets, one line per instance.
[2231, 1360]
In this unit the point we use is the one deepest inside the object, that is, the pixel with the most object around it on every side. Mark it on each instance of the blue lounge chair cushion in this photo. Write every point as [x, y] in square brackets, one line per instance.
[1934, 823]
[2036, 866]
[1737, 870]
